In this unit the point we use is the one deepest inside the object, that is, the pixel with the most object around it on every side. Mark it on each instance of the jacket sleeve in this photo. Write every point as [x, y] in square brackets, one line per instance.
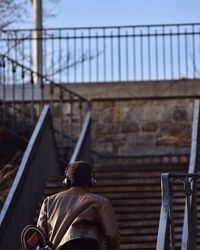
[109, 226]
[42, 219]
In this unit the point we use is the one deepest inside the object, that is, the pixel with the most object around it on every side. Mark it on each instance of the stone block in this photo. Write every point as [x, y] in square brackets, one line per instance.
[128, 127]
[149, 127]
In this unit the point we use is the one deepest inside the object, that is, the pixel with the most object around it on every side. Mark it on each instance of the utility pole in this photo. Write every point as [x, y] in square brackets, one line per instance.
[37, 43]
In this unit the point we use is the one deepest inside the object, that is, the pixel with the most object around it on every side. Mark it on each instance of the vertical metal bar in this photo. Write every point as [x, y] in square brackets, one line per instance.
[171, 217]
[111, 56]
[83, 57]
[32, 98]
[23, 97]
[67, 56]
[193, 202]
[164, 55]
[90, 55]
[51, 90]
[13, 94]
[71, 123]
[4, 89]
[149, 52]
[119, 54]
[23, 94]
[44, 37]
[162, 239]
[188, 208]
[193, 51]
[171, 55]
[156, 53]
[81, 112]
[141, 55]
[61, 123]
[104, 49]
[75, 73]
[60, 56]
[134, 55]
[178, 50]
[127, 58]
[186, 54]
[30, 50]
[8, 64]
[97, 56]
[16, 43]
[52, 56]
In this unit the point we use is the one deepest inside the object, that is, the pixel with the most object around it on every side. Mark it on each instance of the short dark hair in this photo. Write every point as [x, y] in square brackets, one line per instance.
[79, 173]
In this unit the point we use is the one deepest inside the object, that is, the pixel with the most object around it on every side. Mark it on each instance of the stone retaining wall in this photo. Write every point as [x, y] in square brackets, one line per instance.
[142, 127]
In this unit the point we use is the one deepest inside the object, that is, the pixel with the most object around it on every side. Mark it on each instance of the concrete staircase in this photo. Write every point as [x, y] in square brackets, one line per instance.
[134, 189]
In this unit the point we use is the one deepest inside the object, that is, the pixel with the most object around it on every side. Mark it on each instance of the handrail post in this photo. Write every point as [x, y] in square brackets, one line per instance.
[164, 213]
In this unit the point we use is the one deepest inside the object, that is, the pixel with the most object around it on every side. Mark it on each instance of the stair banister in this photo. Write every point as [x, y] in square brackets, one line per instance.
[82, 149]
[189, 225]
[166, 217]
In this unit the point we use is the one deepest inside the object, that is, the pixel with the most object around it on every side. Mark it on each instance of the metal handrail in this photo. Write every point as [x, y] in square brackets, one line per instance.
[164, 213]
[166, 239]
[17, 86]
[82, 149]
[188, 237]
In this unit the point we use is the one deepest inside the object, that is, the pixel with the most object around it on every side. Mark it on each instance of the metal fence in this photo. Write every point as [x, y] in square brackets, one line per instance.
[110, 54]
[175, 189]
[21, 102]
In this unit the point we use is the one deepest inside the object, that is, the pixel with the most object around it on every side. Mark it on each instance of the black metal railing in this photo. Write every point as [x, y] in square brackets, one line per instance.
[40, 161]
[175, 188]
[109, 54]
[22, 102]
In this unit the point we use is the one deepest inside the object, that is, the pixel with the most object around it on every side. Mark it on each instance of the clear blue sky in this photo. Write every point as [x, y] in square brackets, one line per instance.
[76, 13]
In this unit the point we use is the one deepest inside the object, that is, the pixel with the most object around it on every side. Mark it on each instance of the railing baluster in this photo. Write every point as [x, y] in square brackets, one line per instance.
[61, 123]
[90, 54]
[178, 51]
[13, 94]
[141, 55]
[164, 54]
[32, 98]
[23, 99]
[97, 57]
[82, 57]
[119, 53]
[127, 57]
[186, 54]
[171, 55]
[4, 90]
[149, 52]
[104, 53]
[134, 55]
[111, 56]
[75, 71]
[71, 122]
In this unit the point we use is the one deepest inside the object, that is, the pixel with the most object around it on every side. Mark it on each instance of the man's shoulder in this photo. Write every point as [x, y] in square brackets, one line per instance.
[56, 195]
[100, 198]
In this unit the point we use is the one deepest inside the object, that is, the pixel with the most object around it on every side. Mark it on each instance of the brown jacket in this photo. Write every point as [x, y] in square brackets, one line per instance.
[76, 213]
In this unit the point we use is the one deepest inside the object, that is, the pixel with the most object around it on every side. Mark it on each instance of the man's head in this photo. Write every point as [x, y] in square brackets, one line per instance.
[79, 173]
